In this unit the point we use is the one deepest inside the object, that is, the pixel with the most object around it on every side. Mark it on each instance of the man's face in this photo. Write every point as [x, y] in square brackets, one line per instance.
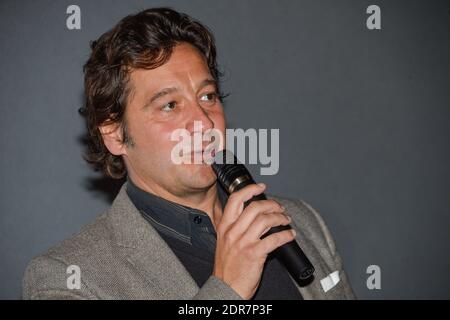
[165, 99]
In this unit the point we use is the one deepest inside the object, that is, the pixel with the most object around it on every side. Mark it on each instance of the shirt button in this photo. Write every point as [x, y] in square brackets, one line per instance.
[198, 219]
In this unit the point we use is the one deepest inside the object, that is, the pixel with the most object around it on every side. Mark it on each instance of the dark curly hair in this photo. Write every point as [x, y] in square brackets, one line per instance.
[141, 41]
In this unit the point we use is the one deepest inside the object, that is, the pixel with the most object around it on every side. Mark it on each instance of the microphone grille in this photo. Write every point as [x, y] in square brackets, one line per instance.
[225, 156]
[227, 168]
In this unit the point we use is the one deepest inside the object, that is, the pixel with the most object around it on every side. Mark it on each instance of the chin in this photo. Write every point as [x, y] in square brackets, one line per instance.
[200, 175]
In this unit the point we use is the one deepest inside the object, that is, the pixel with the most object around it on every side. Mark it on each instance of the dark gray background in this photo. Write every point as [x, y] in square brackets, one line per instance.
[363, 118]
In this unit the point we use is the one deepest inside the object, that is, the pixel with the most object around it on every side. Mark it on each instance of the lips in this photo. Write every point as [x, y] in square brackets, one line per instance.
[204, 155]
[208, 149]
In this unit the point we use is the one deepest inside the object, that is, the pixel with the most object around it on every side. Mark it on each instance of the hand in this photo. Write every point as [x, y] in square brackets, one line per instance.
[240, 253]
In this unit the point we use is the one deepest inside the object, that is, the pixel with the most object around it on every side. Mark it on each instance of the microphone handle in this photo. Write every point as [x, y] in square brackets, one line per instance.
[290, 254]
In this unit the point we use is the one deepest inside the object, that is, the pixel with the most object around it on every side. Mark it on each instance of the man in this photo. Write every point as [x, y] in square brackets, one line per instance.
[171, 232]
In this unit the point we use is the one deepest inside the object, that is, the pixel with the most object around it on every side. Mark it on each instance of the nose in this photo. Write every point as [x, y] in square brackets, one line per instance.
[199, 120]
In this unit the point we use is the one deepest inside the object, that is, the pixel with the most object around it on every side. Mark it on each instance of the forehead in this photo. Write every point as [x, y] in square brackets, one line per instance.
[186, 63]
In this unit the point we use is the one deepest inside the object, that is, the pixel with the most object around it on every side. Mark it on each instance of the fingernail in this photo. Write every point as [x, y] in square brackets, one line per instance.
[262, 185]
[293, 232]
[289, 218]
[282, 208]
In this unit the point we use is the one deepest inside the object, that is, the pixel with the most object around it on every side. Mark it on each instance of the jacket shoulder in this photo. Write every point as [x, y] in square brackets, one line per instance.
[46, 275]
[309, 221]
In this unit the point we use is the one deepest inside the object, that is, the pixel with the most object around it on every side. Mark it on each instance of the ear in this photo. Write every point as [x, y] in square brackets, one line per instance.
[112, 138]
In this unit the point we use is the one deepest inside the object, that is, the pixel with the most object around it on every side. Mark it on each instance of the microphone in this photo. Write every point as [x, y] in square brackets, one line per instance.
[234, 176]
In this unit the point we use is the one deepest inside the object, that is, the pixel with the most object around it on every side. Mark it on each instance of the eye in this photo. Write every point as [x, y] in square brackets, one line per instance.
[209, 97]
[168, 106]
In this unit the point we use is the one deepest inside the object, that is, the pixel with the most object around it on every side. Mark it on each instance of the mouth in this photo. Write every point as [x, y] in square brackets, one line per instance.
[203, 156]
[209, 150]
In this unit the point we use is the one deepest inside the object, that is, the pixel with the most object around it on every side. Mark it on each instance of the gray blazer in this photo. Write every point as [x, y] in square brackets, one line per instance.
[121, 256]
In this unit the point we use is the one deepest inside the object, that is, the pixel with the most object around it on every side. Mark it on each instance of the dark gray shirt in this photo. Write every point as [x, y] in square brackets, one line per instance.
[191, 236]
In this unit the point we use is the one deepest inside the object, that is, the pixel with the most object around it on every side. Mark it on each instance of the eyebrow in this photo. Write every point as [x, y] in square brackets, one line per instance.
[169, 90]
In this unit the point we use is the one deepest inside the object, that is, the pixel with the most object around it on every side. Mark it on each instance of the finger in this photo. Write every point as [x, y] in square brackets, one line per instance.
[250, 213]
[235, 203]
[274, 241]
[263, 223]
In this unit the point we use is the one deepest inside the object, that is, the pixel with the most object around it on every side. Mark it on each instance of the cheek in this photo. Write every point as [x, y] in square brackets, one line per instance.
[155, 140]
[161, 138]
[219, 121]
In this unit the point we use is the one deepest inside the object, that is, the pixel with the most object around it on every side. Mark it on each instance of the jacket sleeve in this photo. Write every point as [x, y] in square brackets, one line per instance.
[46, 279]
[215, 289]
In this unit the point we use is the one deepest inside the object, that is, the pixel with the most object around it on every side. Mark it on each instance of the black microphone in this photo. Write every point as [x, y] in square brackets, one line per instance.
[234, 176]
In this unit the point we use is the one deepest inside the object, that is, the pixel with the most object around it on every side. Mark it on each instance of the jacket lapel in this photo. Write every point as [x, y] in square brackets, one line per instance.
[148, 253]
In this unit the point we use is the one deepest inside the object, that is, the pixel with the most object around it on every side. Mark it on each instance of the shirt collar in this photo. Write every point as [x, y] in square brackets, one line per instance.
[180, 221]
